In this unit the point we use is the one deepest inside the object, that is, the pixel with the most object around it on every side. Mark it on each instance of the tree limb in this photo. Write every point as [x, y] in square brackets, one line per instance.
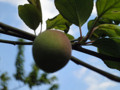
[9, 30]
[93, 53]
[91, 30]
[13, 34]
[18, 31]
[104, 73]
[15, 42]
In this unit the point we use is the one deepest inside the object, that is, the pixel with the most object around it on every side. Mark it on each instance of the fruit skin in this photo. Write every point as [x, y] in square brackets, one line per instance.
[51, 50]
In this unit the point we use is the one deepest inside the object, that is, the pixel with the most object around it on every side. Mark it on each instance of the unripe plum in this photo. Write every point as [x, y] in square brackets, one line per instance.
[51, 50]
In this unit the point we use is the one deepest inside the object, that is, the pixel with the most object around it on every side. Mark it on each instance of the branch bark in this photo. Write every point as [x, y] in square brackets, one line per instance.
[93, 53]
[13, 34]
[16, 31]
[6, 29]
[15, 42]
[104, 73]
[91, 30]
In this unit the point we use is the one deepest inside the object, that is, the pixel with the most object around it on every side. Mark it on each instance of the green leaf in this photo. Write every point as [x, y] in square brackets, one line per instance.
[101, 21]
[98, 33]
[54, 87]
[37, 4]
[111, 47]
[19, 63]
[4, 77]
[58, 22]
[30, 15]
[75, 11]
[109, 9]
[111, 30]
[70, 37]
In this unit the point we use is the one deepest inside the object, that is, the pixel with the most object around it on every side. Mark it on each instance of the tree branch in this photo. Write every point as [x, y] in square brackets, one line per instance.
[91, 30]
[15, 42]
[7, 28]
[13, 34]
[93, 53]
[104, 73]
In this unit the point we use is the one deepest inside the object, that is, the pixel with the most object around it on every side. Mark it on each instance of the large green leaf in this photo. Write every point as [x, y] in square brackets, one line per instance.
[75, 11]
[58, 22]
[111, 47]
[108, 9]
[30, 15]
[37, 4]
[98, 33]
[110, 30]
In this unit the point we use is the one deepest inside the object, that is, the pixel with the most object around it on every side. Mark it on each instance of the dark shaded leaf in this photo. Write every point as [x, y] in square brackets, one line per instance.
[54, 87]
[111, 47]
[32, 78]
[75, 11]
[37, 4]
[4, 78]
[19, 64]
[30, 15]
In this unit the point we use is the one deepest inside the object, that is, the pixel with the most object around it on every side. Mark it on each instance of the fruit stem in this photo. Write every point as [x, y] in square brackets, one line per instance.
[80, 33]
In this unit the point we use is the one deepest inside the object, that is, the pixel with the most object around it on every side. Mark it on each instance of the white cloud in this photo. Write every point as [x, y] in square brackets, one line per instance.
[49, 11]
[80, 73]
[14, 2]
[94, 12]
[95, 82]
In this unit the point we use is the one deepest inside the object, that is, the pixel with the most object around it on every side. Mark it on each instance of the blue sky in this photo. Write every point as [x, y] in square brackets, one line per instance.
[72, 76]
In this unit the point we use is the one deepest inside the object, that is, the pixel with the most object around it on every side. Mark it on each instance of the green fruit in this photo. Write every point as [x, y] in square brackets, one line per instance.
[51, 50]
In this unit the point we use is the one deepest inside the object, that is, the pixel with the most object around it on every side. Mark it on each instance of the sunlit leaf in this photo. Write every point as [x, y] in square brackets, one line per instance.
[98, 32]
[108, 9]
[75, 11]
[58, 22]
[70, 36]
[111, 30]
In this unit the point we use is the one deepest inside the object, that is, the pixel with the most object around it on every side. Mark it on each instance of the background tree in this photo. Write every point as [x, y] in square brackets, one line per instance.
[103, 31]
[34, 78]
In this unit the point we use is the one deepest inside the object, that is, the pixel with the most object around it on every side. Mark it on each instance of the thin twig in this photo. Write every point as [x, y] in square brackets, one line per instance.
[91, 30]
[104, 73]
[15, 42]
[14, 31]
[80, 32]
[93, 53]
[18, 31]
